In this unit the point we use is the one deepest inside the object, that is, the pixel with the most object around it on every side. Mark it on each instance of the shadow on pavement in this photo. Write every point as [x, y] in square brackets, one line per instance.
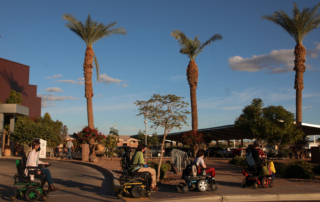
[6, 192]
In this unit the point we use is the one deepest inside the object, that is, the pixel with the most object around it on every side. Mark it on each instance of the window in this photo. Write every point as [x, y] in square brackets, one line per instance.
[124, 144]
[132, 142]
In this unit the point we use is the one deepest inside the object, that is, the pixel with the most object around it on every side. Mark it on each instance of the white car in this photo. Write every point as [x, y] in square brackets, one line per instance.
[156, 151]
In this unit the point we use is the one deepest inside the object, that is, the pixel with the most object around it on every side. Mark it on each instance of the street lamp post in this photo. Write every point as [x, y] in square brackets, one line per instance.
[145, 138]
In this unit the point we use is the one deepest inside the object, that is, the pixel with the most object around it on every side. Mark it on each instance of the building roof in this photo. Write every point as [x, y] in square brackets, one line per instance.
[229, 132]
[126, 137]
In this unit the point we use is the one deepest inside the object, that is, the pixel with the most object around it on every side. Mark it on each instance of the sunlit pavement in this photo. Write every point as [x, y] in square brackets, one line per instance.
[75, 182]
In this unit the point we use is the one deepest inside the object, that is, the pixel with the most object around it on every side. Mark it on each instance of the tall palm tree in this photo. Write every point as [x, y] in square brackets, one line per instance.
[299, 26]
[192, 48]
[90, 32]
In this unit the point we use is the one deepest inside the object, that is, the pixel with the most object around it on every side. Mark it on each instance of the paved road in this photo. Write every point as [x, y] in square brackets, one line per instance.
[76, 182]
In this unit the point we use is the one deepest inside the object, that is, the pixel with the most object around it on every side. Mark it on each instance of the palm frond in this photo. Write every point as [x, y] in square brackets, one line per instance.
[97, 65]
[212, 39]
[301, 23]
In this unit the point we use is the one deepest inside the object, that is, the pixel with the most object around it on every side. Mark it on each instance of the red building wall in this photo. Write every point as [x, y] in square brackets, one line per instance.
[15, 76]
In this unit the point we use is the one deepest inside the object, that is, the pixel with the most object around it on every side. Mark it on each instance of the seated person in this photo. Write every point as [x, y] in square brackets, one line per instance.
[256, 156]
[138, 159]
[33, 160]
[199, 161]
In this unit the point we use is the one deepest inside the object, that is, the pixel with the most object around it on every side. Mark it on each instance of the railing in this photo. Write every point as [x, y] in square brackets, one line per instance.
[178, 157]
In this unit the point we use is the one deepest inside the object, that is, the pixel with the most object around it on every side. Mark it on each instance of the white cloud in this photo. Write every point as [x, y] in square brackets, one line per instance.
[314, 53]
[54, 89]
[243, 98]
[54, 76]
[67, 81]
[178, 78]
[80, 79]
[277, 61]
[103, 78]
[45, 104]
[50, 98]
[124, 85]
[100, 95]
[231, 108]
[72, 81]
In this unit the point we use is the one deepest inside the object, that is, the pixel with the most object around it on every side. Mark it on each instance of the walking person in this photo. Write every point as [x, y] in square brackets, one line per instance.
[33, 161]
[69, 146]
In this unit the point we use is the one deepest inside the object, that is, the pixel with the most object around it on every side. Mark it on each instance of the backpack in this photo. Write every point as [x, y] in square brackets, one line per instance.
[249, 160]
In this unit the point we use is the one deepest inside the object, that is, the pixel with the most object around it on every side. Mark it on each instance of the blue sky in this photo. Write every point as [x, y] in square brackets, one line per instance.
[253, 60]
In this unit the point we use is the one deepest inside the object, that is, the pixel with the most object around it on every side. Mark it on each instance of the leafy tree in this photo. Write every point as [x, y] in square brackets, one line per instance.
[272, 123]
[14, 98]
[55, 125]
[63, 132]
[114, 131]
[151, 140]
[90, 32]
[298, 26]
[167, 111]
[26, 130]
[192, 48]
[193, 139]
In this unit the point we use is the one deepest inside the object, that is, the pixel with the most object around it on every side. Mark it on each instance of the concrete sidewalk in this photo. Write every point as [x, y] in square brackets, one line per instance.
[86, 184]
[76, 182]
[229, 178]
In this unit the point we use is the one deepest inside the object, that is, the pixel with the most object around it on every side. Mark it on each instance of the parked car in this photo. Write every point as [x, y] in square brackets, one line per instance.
[239, 152]
[167, 151]
[213, 151]
[156, 150]
[227, 150]
[267, 149]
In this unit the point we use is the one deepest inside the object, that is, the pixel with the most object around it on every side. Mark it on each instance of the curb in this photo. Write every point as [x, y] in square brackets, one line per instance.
[239, 198]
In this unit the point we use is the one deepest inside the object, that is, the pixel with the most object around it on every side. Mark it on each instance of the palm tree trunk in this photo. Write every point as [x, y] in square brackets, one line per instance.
[87, 67]
[300, 58]
[192, 76]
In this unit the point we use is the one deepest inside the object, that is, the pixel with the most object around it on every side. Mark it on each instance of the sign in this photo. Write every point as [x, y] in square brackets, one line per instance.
[43, 148]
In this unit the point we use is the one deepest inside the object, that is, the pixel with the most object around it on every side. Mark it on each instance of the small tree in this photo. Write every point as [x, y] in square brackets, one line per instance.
[270, 124]
[26, 130]
[151, 140]
[167, 111]
[14, 98]
[111, 141]
[193, 139]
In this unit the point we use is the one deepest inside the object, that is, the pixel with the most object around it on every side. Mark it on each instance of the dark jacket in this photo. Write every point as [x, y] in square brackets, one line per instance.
[255, 156]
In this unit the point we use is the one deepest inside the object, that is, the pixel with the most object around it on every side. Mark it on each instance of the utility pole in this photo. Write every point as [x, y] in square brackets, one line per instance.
[145, 138]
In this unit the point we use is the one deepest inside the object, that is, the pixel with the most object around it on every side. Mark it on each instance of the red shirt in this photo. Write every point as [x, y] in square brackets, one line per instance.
[261, 153]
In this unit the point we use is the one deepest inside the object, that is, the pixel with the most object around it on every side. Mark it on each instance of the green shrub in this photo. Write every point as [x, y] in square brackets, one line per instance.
[280, 168]
[316, 169]
[285, 153]
[165, 167]
[239, 161]
[299, 169]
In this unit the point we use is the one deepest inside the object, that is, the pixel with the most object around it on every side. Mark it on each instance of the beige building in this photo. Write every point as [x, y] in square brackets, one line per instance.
[126, 140]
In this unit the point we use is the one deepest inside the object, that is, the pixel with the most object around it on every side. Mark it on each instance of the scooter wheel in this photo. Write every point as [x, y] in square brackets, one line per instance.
[255, 185]
[185, 189]
[264, 182]
[32, 194]
[213, 187]
[119, 196]
[148, 194]
[271, 183]
[243, 185]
